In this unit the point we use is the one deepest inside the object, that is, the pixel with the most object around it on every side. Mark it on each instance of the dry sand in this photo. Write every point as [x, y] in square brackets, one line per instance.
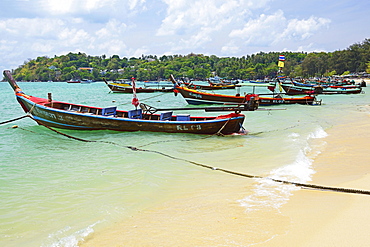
[213, 217]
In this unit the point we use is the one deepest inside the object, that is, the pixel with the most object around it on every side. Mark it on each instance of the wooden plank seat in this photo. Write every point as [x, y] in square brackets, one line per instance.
[135, 114]
[166, 116]
[109, 111]
[183, 117]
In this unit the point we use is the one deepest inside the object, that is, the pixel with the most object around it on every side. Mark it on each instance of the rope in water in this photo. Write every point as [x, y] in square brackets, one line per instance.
[302, 185]
[12, 120]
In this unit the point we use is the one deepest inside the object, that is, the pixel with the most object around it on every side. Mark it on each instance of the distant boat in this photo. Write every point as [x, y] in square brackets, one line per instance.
[301, 84]
[127, 88]
[86, 81]
[73, 81]
[292, 89]
[212, 86]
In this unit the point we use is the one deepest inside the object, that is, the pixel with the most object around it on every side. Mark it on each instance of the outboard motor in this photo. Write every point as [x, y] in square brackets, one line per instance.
[253, 101]
[363, 83]
[318, 89]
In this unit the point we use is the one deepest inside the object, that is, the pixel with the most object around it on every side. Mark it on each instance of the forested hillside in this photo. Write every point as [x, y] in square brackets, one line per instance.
[355, 58]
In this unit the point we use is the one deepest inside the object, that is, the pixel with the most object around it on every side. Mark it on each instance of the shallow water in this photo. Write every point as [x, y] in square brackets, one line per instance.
[56, 191]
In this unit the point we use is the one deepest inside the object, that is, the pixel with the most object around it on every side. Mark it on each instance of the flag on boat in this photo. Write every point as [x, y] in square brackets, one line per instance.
[281, 58]
[135, 100]
[281, 64]
[280, 87]
[271, 88]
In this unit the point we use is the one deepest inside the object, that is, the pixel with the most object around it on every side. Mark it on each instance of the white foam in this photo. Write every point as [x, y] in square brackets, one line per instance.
[59, 239]
[270, 194]
[318, 133]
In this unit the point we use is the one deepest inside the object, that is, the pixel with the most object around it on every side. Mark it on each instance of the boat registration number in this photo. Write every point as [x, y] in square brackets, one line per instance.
[189, 127]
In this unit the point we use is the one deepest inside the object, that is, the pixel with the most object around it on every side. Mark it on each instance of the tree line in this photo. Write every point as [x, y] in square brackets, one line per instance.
[354, 59]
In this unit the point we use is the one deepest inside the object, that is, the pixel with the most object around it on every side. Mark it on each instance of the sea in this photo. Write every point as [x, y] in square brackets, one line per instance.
[56, 191]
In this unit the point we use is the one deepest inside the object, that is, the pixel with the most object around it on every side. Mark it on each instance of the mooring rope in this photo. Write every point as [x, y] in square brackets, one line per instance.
[155, 96]
[302, 185]
[178, 140]
[262, 132]
[12, 120]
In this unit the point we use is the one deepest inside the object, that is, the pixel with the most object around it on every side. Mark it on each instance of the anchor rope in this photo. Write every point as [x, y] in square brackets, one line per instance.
[302, 185]
[262, 132]
[12, 120]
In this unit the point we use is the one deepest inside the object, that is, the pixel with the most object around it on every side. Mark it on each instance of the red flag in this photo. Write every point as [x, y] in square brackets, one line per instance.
[135, 100]
[271, 88]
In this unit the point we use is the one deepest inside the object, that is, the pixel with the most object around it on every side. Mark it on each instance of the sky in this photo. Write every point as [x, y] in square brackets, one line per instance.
[132, 28]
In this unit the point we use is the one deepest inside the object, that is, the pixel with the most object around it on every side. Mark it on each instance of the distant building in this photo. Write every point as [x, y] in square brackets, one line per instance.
[87, 69]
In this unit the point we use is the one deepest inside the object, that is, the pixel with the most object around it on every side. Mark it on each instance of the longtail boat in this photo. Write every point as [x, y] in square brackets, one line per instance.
[300, 84]
[211, 86]
[51, 113]
[73, 81]
[117, 88]
[195, 97]
[292, 89]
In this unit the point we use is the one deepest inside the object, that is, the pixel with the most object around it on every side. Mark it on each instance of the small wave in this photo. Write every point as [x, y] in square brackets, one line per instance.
[59, 239]
[318, 133]
[270, 194]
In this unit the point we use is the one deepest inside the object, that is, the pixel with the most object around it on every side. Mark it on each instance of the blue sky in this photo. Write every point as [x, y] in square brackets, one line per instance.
[130, 28]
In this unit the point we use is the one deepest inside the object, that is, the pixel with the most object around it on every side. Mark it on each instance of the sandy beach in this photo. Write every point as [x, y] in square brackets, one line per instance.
[212, 216]
[322, 218]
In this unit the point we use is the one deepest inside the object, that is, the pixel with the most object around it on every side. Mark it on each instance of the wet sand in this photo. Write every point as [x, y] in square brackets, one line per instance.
[212, 216]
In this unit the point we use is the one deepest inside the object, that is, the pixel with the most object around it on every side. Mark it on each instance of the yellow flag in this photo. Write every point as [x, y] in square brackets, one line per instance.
[281, 64]
[280, 88]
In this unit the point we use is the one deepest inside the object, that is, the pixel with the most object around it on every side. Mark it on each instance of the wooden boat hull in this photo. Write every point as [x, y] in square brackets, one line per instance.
[299, 84]
[195, 97]
[80, 117]
[78, 120]
[74, 81]
[291, 89]
[209, 87]
[124, 89]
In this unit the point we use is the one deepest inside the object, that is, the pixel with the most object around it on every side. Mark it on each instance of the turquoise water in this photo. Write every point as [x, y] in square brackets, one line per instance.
[56, 191]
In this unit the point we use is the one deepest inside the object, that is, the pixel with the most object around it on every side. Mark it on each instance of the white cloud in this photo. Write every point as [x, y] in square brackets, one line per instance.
[41, 47]
[7, 44]
[135, 3]
[302, 29]
[113, 28]
[193, 16]
[58, 7]
[190, 15]
[193, 41]
[197, 23]
[74, 36]
[139, 52]
[270, 29]
[75, 7]
[262, 30]
[37, 27]
[230, 48]
[111, 47]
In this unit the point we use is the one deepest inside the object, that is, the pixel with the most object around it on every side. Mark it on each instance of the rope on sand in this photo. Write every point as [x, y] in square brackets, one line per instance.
[302, 185]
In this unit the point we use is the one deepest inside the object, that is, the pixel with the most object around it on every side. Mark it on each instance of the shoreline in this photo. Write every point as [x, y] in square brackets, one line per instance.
[213, 216]
[322, 218]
